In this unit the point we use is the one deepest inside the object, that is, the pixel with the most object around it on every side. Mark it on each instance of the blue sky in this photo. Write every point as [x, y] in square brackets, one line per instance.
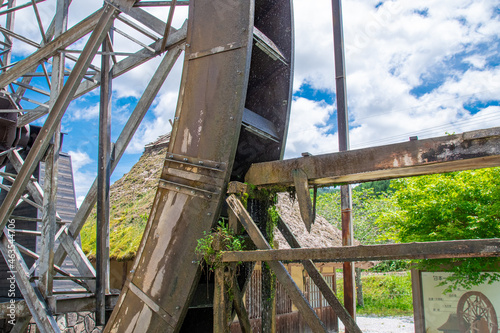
[422, 67]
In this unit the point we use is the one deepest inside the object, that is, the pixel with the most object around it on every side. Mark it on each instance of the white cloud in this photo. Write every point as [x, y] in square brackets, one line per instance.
[87, 113]
[83, 177]
[308, 129]
[413, 67]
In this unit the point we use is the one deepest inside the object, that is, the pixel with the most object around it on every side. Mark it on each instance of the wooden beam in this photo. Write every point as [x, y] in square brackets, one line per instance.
[320, 282]
[47, 51]
[122, 142]
[38, 308]
[103, 183]
[240, 309]
[21, 325]
[76, 255]
[293, 291]
[58, 110]
[469, 150]
[61, 305]
[220, 309]
[426, 250]
[304, 197]
[48, 228]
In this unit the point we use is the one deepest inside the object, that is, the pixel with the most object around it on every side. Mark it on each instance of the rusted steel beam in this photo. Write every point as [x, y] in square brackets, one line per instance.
[426, 250]
[469, 150]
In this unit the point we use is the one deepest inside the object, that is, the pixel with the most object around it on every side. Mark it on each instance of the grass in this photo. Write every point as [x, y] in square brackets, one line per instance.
[131, 199]
[384, 295]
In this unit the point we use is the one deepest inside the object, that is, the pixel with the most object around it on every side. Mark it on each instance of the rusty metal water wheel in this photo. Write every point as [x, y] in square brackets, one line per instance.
[477, 312]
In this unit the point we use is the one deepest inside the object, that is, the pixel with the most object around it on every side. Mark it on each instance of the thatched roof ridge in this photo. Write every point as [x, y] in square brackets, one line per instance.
[323, 234]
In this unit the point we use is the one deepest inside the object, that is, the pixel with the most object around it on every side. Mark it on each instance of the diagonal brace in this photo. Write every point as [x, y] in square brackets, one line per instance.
[39, 310]
[320, 282]
[282, 274]
[61, 104]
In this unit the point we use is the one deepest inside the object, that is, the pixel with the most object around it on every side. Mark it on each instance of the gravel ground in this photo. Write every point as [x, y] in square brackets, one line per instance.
[383, 324]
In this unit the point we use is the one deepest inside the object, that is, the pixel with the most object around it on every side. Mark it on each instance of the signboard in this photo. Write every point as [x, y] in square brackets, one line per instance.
[460, 311]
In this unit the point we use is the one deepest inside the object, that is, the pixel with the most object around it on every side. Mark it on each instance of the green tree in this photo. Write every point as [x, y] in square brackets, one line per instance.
[380, 186]
[367, 208]
[452, 206]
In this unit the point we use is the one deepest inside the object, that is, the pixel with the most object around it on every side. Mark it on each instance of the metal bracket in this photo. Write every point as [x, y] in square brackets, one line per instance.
[215, 50]
[205, 164]
[150, 303]
[302, 189]
[189, 190]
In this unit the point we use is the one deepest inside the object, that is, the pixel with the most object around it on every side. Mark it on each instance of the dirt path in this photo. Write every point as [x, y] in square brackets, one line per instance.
[384, 324]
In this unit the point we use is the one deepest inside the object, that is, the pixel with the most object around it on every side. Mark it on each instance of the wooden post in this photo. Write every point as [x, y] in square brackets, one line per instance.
[268, 314]
[46, 264]
[103, 183]
[220, 314]
[418, 302]
[220, 309]
[49, 214]
[359, 288]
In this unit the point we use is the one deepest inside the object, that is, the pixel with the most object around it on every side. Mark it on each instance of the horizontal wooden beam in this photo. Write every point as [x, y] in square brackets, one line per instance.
[469, 150]
[426, 250]
[63, 305]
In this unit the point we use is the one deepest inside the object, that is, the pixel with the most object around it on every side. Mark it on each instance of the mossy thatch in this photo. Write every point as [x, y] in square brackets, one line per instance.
[131, 198]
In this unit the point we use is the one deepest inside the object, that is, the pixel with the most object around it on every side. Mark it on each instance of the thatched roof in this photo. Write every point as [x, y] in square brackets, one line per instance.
[322, 234]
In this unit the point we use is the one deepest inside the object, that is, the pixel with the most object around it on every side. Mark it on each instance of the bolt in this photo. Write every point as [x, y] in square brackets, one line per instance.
[177, 188]
[185, 159]
[177, 307]
[231, 118]
[209, 196]
[188, 45]
[201, 162]
[209, 214]
[171, 156]
[192, 192]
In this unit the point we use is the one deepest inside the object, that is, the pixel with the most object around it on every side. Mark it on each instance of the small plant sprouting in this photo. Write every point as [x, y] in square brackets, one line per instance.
[212, 244]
